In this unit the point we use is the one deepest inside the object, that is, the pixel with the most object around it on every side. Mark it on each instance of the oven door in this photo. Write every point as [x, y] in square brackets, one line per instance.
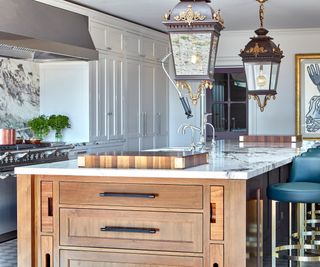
[8, 206]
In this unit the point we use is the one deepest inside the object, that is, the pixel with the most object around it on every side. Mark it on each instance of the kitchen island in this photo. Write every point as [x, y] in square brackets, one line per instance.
[211, 215]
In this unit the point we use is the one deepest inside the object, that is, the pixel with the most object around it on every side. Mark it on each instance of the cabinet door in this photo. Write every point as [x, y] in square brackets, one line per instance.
[161, 102]
[100, 259]
[160, 50]
[132, 99]
[131, 44]
[147, 101]
[114, 40]
[102, 93]
[98, 35]
[146, 48]
[114, 97]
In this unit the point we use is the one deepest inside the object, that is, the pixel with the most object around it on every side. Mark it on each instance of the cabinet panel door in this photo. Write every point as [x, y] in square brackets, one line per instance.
[114, 40]
[102, 97]
[98, 35]
[114, 98]
[132, 99]
[99, 259]
[160, 50]
[161, 102]
[147, 103]
[146, 48]
[131, 44]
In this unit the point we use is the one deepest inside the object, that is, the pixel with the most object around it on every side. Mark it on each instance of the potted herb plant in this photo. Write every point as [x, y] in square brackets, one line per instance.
[58, 123]
[39, 126]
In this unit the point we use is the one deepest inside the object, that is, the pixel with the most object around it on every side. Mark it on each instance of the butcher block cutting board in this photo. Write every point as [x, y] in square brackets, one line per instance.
[144, 160]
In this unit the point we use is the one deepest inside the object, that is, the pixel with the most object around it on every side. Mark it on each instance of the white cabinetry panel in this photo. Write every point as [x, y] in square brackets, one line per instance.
[132, 104]
[114, 40]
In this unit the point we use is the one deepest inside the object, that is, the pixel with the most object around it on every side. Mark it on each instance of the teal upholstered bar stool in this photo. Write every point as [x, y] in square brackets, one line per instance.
[303, 188]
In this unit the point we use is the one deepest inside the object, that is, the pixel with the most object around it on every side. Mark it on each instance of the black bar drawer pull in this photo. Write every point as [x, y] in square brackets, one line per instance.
[130, 195]
[129, 230]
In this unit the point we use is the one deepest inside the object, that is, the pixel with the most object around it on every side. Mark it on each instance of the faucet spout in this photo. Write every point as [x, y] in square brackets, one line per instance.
[182, 129]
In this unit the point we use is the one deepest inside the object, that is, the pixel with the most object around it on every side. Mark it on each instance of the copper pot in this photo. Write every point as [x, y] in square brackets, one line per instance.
[7, 136]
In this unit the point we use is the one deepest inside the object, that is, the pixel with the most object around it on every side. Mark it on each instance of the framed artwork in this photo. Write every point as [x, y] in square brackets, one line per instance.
[308, 96]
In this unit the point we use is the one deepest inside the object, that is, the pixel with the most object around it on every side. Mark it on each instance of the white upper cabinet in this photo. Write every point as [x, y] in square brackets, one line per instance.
[131, 44]
[107, 38]
[160, 50]
[146, 48]
[114, 40]
[98, 35]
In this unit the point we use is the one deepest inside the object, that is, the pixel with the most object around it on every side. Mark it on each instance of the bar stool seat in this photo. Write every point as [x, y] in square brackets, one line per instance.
[295, 192]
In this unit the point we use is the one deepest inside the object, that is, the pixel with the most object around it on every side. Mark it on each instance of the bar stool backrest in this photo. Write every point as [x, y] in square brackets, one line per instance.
[305, 169]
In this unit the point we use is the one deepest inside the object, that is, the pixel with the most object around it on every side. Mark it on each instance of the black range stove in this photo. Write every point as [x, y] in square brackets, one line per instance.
[12, 156]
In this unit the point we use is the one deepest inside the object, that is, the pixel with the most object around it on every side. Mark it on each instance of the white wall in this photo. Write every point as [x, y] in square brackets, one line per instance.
[64, 90]
[279, 115]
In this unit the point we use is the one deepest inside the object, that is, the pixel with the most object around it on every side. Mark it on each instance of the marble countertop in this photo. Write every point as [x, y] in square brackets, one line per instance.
[227, 160]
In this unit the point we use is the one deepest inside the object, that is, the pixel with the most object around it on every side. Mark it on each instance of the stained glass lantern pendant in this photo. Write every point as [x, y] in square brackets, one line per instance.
[261, 58]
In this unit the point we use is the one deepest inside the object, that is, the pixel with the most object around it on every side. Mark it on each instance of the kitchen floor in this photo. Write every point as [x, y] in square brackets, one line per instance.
[8, 254]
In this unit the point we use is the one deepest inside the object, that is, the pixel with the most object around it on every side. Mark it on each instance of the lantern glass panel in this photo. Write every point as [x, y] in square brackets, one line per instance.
[274, 75]
[191, 52]
[215, 41]
[259, 75]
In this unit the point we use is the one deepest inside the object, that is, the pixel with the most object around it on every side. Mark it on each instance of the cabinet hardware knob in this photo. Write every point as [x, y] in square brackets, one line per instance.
[119, 229]
[128, 195]
[109, 48]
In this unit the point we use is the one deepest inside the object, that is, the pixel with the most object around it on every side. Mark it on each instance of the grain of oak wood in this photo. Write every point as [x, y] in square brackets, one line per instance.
[168, 196]
[97, 259]
[173, 231]
[46, 207]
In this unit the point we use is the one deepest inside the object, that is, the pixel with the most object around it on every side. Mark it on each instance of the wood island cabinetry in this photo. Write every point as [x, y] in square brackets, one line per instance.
[105, 221]
[127, 221]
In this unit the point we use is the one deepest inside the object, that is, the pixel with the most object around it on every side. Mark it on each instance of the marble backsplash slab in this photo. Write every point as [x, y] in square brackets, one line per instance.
[19, 92]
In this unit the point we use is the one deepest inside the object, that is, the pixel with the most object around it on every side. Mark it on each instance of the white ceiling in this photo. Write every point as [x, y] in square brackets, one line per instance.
[238, 14]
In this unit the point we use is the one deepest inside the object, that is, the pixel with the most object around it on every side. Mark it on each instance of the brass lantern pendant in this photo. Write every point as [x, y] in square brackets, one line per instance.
[261, 58]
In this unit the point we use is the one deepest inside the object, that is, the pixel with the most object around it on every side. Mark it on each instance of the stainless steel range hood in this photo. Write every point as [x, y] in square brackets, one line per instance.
[34, 31]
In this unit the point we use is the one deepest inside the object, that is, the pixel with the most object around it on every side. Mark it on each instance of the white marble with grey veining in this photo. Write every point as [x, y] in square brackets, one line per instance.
[228, 160]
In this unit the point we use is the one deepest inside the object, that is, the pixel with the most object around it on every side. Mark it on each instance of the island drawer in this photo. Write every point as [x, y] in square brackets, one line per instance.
[100, 259]
[134, 195]
[164, 231]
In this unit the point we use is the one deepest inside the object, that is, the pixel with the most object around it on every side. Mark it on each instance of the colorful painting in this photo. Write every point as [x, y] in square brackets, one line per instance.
[19, 92]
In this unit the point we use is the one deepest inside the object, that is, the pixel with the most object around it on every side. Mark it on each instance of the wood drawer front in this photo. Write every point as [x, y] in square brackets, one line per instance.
[172, 231]
[164, 196]
[99, 259]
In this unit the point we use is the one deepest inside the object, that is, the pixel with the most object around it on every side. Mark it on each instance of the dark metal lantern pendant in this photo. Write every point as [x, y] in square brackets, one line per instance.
[261, 58]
